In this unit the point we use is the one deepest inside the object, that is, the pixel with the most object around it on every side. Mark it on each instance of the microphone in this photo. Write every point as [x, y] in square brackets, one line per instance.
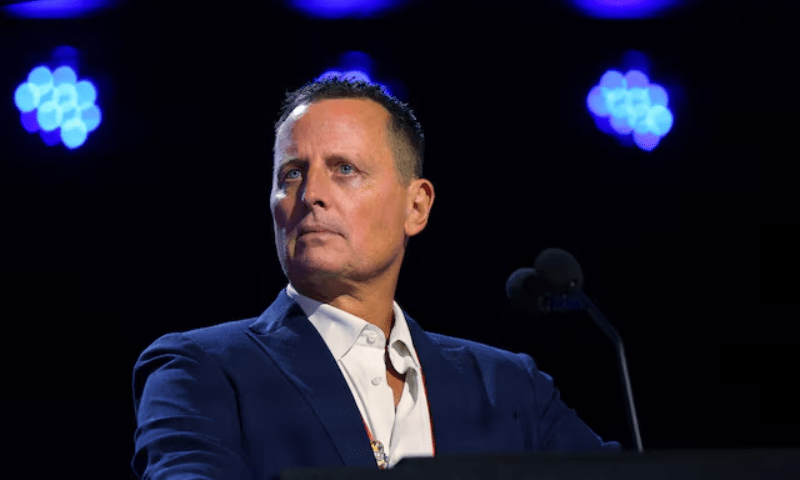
[554, 285]
[524, 289]
[549, 286]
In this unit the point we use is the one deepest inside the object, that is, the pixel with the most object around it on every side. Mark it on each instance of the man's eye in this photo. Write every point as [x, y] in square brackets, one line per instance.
[292, 174]
[346, 169]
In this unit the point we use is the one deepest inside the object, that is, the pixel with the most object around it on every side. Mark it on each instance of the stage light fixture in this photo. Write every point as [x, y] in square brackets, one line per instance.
[358, 66]
[625, 9]
[58, 106]
[57, 8]
[352, 75]
[630, 105]
[339, 9]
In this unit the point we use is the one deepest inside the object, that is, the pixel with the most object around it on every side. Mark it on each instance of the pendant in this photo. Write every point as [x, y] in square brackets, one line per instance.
[380, 455]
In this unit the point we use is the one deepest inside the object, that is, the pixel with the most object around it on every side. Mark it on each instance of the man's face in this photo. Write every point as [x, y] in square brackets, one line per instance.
[338, 205]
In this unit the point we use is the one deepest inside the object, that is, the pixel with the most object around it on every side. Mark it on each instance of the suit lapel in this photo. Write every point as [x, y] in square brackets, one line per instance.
[298, 349]
[454, 397]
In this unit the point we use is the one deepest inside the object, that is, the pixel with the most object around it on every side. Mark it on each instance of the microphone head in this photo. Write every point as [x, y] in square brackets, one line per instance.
[523, 289]
[559, 269]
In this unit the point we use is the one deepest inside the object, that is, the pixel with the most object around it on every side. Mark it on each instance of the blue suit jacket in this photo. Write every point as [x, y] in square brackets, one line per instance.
[246, 399]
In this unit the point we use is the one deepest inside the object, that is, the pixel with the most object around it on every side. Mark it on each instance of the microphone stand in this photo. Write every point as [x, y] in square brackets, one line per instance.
[579, 301]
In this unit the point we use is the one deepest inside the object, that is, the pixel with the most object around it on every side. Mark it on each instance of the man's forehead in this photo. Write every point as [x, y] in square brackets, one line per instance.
[284, 144]
[283, 139]
[297, 113]
[293, 117]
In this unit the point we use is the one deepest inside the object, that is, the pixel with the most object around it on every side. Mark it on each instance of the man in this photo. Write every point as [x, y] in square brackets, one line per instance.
[334, 372]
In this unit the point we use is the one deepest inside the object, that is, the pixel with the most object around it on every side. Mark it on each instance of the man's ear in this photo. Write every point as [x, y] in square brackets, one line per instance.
[418, 209]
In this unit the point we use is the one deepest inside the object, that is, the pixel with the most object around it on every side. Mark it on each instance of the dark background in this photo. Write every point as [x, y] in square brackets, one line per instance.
[160, 222]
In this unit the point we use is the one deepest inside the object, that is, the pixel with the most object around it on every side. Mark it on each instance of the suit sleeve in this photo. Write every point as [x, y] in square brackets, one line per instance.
[187, 421]
[558, 427]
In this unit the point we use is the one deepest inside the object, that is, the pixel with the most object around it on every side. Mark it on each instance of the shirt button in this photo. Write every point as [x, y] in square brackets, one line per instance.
[371, 337]
[376, 381]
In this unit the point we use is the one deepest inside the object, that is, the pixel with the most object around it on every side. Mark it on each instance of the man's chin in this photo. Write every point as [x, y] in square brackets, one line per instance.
[313, 270]
[319, 282]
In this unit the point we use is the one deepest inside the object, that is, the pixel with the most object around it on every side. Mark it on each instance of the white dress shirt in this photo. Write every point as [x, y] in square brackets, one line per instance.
[358, 347]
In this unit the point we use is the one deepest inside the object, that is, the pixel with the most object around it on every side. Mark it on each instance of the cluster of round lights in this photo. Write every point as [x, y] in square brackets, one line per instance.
[632, 105]
[56, 102]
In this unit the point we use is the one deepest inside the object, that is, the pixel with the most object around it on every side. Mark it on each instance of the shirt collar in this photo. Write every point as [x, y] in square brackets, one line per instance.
[340, 329]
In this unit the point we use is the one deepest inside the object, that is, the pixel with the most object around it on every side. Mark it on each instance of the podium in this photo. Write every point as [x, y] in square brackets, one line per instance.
[765, 464]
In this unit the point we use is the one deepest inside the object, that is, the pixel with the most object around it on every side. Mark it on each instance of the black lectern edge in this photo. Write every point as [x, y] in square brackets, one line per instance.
[789, 457]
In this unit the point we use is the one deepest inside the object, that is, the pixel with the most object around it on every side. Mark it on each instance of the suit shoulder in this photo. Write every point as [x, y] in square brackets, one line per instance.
[212, 339]
[481, 351]
[220, 332]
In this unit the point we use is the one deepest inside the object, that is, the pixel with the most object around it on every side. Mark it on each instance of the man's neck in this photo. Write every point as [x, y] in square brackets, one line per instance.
[376, 306]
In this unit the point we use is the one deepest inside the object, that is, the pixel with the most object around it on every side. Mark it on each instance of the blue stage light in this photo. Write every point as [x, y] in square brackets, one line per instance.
[636, 78]
[57, 8]
[87, 93]
[42, 77]
[91, 117]
[357, 66]
[352, 65]
[330, 74]
[658, 96]
[625, 9]
[49, 116]
[630, 104]
[659, 120]
[64, 74]
[74, 132]
[612, 79]
[356, 76]
[51, 138]
[352, 75]
[621, 125]
[58, 106]
[29, 122]
[646, 141]
[355, 60]
[26, 97]
[597, 102]
[336, 9]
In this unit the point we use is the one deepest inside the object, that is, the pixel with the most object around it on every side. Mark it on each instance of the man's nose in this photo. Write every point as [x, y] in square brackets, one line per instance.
[316, 190]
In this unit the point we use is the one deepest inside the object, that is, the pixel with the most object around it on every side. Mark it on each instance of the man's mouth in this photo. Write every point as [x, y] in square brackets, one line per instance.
[315, 231]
